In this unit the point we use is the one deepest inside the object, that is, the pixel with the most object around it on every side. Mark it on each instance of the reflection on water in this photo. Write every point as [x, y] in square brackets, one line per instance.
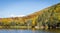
[29, 31]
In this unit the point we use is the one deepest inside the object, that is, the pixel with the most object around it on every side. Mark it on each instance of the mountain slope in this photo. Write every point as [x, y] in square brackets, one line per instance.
[47, 17]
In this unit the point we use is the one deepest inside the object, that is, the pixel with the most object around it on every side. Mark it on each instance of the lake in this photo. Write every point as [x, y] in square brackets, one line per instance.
[29, 31]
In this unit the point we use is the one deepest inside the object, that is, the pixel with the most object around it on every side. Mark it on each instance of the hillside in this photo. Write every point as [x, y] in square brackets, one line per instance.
[48, 17]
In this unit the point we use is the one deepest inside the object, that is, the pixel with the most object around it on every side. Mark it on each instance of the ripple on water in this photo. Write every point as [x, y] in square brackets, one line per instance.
[29, 31]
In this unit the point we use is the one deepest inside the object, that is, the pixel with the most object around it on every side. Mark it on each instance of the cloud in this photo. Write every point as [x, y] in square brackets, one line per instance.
[12, 15]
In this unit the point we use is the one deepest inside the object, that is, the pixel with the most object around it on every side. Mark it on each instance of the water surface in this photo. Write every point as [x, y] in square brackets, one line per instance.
[29, 31]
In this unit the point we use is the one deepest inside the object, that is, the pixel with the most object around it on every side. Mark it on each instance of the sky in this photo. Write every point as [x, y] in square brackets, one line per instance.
[19, 8]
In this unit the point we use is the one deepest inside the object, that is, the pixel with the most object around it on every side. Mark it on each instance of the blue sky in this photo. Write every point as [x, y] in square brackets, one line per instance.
[9, 8]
